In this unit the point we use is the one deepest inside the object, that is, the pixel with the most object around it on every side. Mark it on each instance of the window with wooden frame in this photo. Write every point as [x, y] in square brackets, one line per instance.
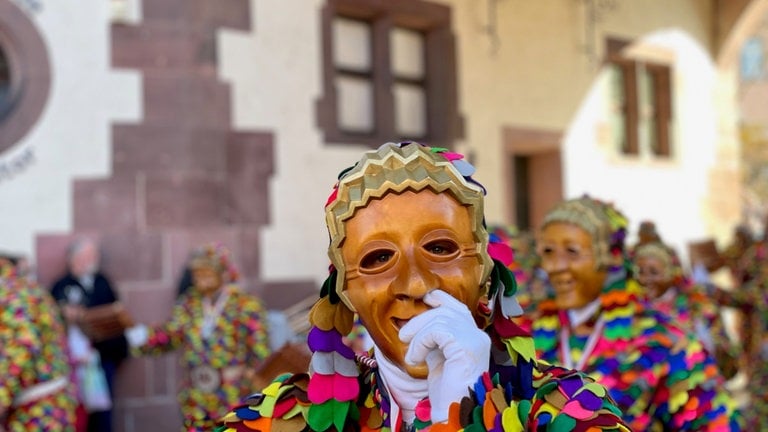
[389, 73]
[641, 103]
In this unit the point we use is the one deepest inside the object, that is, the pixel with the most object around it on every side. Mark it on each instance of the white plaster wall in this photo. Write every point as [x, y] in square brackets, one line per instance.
[537, 77]
[72, 137]
[275, 75]
[674, 193]
[514, 77]
[533, 70]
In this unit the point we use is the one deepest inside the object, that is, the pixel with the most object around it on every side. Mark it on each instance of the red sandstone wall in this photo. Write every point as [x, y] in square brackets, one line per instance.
[180, 177]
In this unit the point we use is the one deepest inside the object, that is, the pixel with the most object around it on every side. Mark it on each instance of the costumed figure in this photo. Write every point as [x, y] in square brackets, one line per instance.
[221, 332]
[751, 298]
[658, 270]
[660, 376]
[748, 275]
[410, 256]
[35, 390]
[734, 253]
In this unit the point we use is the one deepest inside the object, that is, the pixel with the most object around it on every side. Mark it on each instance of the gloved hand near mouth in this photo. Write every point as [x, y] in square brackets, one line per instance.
[456, 351]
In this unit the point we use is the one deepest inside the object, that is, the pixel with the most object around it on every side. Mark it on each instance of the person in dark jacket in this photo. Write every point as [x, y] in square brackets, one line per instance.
[84, 286]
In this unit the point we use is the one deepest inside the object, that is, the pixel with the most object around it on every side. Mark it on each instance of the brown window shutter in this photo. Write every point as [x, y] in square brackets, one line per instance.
[662, 82]
[631, 109]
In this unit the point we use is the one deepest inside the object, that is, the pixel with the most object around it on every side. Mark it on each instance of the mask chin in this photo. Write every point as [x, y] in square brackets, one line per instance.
[420, 371]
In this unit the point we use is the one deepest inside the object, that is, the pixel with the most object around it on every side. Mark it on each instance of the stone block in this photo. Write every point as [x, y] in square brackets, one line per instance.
[103, 205]
[148, 303]
[157, 415]
[280, 295]
[225, 13]
[162, 45]
[132, 256]
[184, 100]
[221, 13]
[131, 378]
[249, 256]
[181, 242]
[164, 379]
[161, 148]
[50, 257]
[166, 10]
[250, 162]
[179, 200]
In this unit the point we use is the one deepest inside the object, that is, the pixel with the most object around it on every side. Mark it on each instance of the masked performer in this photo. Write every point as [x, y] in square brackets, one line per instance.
[658, 270]
[410, 255]
[221, 332]
[751, 298]
[35, 389]
[661, 377]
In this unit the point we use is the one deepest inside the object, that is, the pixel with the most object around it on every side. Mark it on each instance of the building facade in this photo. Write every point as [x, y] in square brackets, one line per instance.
[159, 124]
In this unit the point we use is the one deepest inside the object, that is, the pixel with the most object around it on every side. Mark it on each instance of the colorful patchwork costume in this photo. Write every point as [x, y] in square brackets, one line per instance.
[690, 308]
[658, 374]
[661, 378]
[238, 341]
[221, 341]
[690, 305]
[752, 299]
[348, 392]
[523, 394]
[35, 389]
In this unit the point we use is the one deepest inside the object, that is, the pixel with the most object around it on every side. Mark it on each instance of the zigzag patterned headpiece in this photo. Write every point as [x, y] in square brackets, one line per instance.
[392, 168]
[217, 256]
[604, 223]
[395, 168]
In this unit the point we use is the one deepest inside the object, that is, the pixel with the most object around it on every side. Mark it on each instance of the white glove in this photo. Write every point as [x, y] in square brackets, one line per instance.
[137, 335]
[456, 351]
[700, 275]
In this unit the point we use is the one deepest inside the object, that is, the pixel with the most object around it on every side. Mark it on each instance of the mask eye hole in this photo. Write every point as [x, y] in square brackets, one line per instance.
[442, 249]
[377, 260]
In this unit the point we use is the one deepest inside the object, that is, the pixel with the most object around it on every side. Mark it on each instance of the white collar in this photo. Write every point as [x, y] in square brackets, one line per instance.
[405, 390]
[577, 317]
[668, 295]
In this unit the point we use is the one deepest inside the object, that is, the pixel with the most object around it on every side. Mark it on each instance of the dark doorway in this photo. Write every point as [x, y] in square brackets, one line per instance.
[535, 175]
[522, 197]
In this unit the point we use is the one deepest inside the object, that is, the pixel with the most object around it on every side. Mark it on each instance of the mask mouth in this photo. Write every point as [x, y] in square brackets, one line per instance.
[561, 286]
[399, 322]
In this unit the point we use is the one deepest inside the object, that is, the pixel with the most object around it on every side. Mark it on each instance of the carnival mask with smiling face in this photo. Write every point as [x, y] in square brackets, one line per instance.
[207, 278]
[404, 221]
[567, 256]
[653, 275]
[211, 267]
[397, 249]
[580, 241]
[654, 268]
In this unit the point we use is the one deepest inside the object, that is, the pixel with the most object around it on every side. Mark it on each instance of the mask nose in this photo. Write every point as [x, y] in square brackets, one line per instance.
[555, 263]
[414, 279]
